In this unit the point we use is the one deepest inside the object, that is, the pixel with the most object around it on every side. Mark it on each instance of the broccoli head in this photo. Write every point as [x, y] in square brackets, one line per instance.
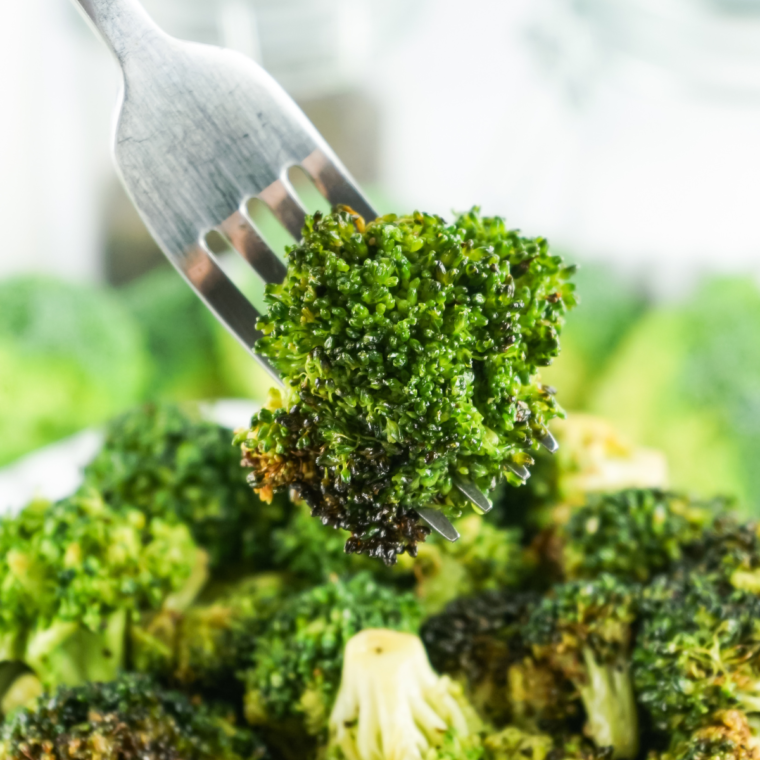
[166, 462]
[697, 653]
[583, 630]
[633, 534]
[480, 641]
[73, 572]
[295, 668]
[128, 718]
[391, 704]
[70, 356]
[513, 743]
[409, 349]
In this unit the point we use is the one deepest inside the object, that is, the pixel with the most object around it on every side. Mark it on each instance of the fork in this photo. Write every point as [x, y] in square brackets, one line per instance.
[200, 131]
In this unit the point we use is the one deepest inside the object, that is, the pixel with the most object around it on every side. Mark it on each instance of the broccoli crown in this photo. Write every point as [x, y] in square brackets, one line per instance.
[698, 652]
[163, 461]
[409, 349]
[296, 666]
[79, 560]
[730, 738]
[127, 718]
[70, 356]
[632, 534]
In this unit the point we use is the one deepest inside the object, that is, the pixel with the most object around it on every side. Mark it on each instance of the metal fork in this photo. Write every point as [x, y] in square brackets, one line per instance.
[200, 131]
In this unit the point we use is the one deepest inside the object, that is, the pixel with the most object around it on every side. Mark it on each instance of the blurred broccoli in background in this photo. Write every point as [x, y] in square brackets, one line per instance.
[409, 349]
[72, 574]
[687, 381]
[168, 463]
[611, 304]
[127, 718]
[70, 356]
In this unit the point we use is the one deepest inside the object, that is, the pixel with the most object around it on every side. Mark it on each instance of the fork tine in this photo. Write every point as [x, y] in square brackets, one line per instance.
[281, 199]
[251, 246]
[334, 182]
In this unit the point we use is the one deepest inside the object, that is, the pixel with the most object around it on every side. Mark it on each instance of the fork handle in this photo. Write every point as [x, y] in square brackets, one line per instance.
[123, 24]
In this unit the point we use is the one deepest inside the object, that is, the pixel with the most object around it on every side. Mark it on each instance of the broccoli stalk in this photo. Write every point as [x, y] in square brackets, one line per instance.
[391, 704]
[583, 630]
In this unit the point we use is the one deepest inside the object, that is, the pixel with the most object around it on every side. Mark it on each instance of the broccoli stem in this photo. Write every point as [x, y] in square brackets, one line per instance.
[607, 694]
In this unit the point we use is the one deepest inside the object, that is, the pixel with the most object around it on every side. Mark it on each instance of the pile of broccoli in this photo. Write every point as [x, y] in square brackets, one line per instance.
[164, 611]
[409, 349]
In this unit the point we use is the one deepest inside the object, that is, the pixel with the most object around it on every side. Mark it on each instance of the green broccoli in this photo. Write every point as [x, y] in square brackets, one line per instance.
[513, 743]
[698, 406]
[583, 630]
[128, 718]
[72, 573]
[480, 640]
[172, 465]
[409, 350]
[392, 705]
[697, 653]
[70, 356]
[294, 671]
[633, 534]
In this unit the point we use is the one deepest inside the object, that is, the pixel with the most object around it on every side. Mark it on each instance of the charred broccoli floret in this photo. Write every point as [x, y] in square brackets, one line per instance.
[513, 743]
[583, 630]
[480, 640]
[633, 534]
[127, 718]
[409, 349]
[294, 671]
[391, 704]
[72, 573]
[697, 654]
[172, 465]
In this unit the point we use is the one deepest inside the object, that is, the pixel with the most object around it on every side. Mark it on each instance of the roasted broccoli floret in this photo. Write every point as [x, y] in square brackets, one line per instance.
[513, 743]
[70, 356]
[294, 671]
[391, 704]
[698, 652]
[583, 630]
[485, 557]
[633, 534]
[480, 640]
[730, 738]
[127, 718]
[72, 573]
[172, 465]
[409, 349]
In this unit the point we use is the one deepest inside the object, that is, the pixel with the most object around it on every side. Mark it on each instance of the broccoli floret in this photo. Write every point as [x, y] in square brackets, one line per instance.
[592, 458]
[72, 573]
[485, 557]
[205, 645]
[513, 743]
[696, 653]
[127, 718]
[294, 671]
[409, 350]
[172, 465]
[633, 534]
[730, 738]
[583, 629]
[70, 356]
[480, 641]
[391, 704]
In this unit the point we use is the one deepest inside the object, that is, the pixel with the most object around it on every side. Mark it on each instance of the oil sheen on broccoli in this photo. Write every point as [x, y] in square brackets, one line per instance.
[409, 348]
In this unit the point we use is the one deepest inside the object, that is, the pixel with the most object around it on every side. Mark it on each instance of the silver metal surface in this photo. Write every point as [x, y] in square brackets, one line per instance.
[200, 131]
[477, 498]
[522, 472]
[549, 442]
[439, 523]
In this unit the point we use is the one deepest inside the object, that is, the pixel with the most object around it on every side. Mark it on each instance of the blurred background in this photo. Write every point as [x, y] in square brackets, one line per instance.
[625, 131]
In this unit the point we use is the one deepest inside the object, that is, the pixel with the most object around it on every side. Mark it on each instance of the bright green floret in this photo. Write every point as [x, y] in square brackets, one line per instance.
[409, 349]
[73, 572]
[295, 670]
[583, 629]
[127, 718]
[172, 465]
[70, 356]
